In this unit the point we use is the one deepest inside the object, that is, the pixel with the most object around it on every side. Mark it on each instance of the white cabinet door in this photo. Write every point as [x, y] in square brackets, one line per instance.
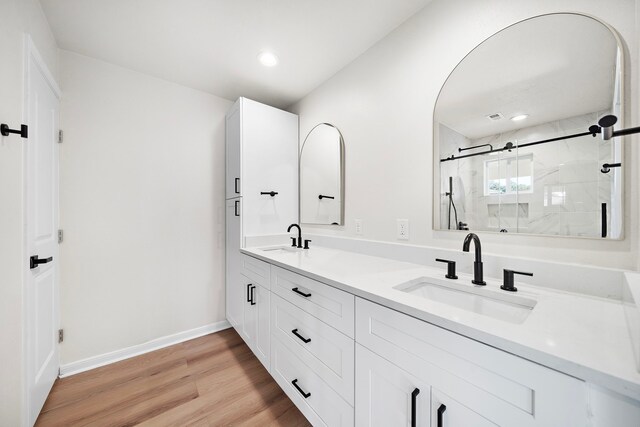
[234, 286]
[249, 313]
[262, 305]
[387, 395]
[446, 412]
[233, 151]
[269, 163]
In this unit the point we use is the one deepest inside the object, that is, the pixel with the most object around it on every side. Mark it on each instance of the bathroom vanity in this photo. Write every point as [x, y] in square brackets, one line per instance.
[362, 340]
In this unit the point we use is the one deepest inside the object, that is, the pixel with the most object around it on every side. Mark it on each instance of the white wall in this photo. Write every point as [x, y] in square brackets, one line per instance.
[383, 104]
[18, 17]
[141, 205]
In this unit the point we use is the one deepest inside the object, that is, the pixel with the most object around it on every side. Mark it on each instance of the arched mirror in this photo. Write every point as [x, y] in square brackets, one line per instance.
[502, 159]
[322, 176]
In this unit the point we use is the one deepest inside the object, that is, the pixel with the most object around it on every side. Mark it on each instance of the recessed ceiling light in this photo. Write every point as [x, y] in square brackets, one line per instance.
[268, 59]
[519, 117]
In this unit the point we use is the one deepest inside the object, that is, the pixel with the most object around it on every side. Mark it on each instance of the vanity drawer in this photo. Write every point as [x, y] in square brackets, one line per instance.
[322, 406]
[325, 302]
[328, 352]
[501, 387]
[257, 271]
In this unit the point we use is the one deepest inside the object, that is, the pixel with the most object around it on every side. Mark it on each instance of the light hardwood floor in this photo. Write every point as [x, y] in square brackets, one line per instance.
[214, 380]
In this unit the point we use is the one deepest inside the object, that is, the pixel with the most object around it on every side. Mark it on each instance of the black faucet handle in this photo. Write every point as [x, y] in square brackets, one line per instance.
[306, 243]
[451, 268]
[507, 276]
[293, 242]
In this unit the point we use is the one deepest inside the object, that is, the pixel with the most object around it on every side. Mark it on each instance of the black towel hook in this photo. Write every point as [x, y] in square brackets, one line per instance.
[23, 132]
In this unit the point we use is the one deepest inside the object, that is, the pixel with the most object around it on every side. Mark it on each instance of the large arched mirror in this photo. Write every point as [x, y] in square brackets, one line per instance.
[499, 158]
[322, 176]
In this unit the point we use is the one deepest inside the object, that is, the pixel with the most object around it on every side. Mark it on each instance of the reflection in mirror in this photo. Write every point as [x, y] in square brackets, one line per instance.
[322, 176]
[543, 78]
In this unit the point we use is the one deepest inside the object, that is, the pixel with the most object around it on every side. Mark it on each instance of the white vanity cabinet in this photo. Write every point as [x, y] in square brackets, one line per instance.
[473, 381]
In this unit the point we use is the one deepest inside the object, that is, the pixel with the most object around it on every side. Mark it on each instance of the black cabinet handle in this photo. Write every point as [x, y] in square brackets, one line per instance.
[253, 288]
[236, 185]
[297, 291]
[441, 410]
[235, 208]
[295, 384]
[414, 395]
[305, 340]
[248, 288]
[322, 196]
[34, 261]
[268, 193]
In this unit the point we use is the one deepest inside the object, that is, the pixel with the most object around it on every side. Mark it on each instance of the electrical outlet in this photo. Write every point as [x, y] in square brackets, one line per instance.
[403, 229]
[358, 227]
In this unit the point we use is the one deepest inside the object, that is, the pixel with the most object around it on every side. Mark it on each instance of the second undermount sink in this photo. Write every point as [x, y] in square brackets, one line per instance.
[507, 307]
[280, 249]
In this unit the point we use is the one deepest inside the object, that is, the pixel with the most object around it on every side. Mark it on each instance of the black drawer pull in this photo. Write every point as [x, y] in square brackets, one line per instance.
[305, 340]
[248, 297]
[414, 395]
[441, 410]
[236, 185]
[297, 291]
[235, 208]
[34, 261]
[295, 384]
[253, 288]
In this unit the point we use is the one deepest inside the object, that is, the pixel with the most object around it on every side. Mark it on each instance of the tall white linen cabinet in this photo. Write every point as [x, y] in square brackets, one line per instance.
[261, 199]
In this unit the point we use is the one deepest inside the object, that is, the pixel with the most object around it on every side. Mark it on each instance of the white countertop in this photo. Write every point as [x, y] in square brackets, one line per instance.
[583, 336]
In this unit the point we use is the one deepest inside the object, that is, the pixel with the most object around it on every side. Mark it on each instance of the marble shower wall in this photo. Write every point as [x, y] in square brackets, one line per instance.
[568, 187]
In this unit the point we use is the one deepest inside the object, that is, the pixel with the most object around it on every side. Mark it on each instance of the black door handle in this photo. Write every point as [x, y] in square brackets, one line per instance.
[235, 185]
[297, 291]
[268, 193]
[414, 395]
[235, 208]
[305, 340]
[34, 261]
[322, 196]
[295, 384]
[253, 288]
[441, 410]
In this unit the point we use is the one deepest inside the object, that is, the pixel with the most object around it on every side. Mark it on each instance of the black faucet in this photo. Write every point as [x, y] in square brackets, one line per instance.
[477, 264]
[299, 244]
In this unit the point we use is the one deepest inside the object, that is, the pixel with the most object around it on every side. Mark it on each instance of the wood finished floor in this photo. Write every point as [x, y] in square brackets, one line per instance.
[214, 380]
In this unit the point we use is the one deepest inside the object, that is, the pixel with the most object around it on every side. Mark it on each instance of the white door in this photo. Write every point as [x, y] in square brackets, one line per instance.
[41, 220]
[262, 298]
[234, 292]
[387, 395]
[233, 151]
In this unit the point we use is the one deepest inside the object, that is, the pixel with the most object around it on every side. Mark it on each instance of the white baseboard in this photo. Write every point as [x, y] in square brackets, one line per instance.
[136, 350]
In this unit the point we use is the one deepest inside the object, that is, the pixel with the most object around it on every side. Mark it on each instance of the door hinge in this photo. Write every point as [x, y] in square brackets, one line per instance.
[60, 135]
[60, 236]
[60, 335]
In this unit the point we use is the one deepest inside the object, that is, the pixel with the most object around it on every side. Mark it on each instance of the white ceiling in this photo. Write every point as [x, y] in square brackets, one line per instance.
[212, 45]
[552, 67]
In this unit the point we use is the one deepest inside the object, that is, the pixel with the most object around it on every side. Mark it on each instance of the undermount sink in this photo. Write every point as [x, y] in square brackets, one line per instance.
[280, 249]
[507, 307]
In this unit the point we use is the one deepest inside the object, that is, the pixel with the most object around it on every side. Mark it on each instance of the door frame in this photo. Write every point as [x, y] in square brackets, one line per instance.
[32, 61]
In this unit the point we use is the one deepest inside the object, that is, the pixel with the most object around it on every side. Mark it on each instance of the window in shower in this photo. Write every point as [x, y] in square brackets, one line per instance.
[508, 175]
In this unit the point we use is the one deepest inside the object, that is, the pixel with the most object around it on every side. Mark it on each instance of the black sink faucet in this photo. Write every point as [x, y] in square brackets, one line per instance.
[477, 264]
[299, 242]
